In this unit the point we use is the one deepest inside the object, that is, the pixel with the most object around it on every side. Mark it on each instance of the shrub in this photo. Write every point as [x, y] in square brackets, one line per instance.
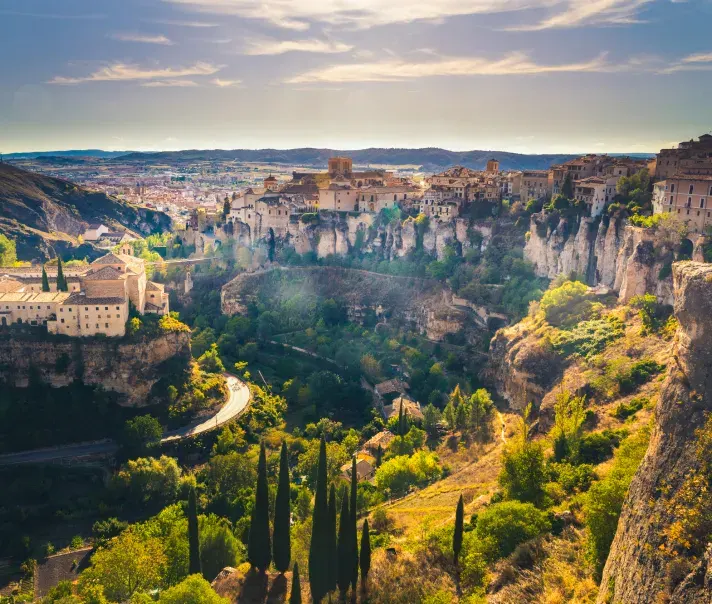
[403, 472]
[567, 304]
[626, 410]
[596, 447]
[639, 373]
[588, 338]
[170, 323]
[572, 478]
[148, 480]
[503, 526]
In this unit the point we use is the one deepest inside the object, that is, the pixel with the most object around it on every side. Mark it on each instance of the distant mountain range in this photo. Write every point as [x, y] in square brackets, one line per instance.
[428, 159]
[45, 215]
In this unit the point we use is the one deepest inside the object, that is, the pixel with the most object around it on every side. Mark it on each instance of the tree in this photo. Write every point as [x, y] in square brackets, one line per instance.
[218, 546]
[567, 187]
[8, 251]
[45, 280]
[62, 285]
[296, 596]
[226, 207]
[353, 531]
[431, 420]
[333, 564]
[365, 559]
[259, 550]
[319, 545]
[193, 534]
[344, 546]
[210, 361]
[457, 535]
[194, 589]
[147, 480]
[569, 415]
[282, 515]
[141, 435]
[523, 473]
[129, 565]
[502, 526]
[480, 410]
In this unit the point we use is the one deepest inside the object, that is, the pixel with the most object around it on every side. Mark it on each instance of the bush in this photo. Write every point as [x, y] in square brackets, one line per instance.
[148, 480]
[588, 338]
[573, 478]
[567, 304]
[399, 474]
[625, 410]
[193, 589]
[141, 434]
[639, 373]
[596, 447]
[503, 526]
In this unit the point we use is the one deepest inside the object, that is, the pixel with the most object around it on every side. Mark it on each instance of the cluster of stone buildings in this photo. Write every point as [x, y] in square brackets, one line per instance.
[102, 236]
[97, 300]
[684, 183]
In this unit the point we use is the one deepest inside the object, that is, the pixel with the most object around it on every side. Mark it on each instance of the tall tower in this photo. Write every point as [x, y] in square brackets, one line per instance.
[270, 183]
[493, 166]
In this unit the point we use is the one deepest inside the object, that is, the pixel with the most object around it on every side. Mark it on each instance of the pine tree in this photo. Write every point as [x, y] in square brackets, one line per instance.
[353, 531]
[332, 540]
[194, 566]
[45, 280]
[259, 551]
[318, 548]
[282, 515]
[457, 535]
[296, 596]
[344, 547]
[365, 558]
[61, 280]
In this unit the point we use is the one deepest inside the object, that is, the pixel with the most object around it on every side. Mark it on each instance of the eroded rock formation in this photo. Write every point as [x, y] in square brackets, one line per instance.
[637, 572]
[127, 368]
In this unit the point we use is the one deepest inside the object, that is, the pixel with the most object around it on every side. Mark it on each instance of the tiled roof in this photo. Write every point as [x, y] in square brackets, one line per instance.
[110, 258]
[383, 438]
[108, 273]
[390, 386]
[36, 297]
[9, 285]
[154, 287]
[150, 306]
[79, 298]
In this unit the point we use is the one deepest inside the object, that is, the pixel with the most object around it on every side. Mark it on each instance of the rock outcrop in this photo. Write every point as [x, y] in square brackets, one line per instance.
[425, 304]
[636, 571]
[610, 253]
[128, 368]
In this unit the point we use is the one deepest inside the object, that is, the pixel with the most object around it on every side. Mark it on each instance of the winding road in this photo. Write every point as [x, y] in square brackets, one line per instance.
[236, 404]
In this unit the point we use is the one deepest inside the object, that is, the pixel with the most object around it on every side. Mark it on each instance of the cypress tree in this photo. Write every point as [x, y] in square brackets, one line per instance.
[61, 280]
[259, 550]
[353, 531]
[457, 535]
[332, 540]
[344, 547]
[193, 536]
[365, 559]
[296, 596]
[282, 515]
[379, 456]
[400, 418]
[45, 280]
[318, 548]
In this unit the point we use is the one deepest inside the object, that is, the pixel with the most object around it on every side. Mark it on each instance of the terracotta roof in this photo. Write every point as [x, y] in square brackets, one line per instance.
[80, 298]
[390, 386]
[410, 407]
[150, 306]
[110, 258]
[108, 273]
[9, 285]
[383, 438]
[154, 287]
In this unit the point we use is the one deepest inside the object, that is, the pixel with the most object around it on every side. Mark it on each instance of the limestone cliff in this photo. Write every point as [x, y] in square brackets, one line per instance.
[125, 367]
[424, 304]
[607, 252]
[636, 570]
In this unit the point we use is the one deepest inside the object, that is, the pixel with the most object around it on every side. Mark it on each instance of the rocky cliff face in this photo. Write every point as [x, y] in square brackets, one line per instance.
[423, 303]
[127, 368]
[636, 571]
[614, 254]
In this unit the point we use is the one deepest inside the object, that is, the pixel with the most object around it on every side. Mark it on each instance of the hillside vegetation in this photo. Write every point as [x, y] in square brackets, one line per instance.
[45, 215]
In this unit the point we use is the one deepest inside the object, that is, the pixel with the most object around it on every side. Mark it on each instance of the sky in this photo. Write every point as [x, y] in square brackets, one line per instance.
[528, 76]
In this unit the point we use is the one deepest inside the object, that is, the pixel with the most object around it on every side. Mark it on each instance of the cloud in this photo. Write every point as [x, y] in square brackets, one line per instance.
[125, 72]
[170, 84]
[515, 63]
[695, 62]
[703, 57]
[299, 14]
[178, 23]
[593, 12]
[225, 83]
[142, 38]
[278, 47]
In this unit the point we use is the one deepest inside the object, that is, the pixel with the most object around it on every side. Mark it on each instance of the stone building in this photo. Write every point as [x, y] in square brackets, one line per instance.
[690, 157]
[531, 184]
[687, 197]
[98, 305]
[592, 191]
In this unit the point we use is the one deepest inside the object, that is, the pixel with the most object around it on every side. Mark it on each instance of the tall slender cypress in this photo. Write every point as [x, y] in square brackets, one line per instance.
[259, 550]
[457, 535]
[332, 539]
[45, 280]
[318, 548]
[296, 596]
[193, 536]
[401, 432]
[353, 531]
[282, 515]
[365, 558]
[61, 280]
[345, 548]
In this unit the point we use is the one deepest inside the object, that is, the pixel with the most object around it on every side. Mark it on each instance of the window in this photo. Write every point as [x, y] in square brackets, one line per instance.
[672, 188]
[117, 308]
[61, 320]
[97, 326]
[106, 325]
[692, 189]
[670, 199]
[86, 317]
[97, 308]
[702, 202]
[86, 308]
[106, 308]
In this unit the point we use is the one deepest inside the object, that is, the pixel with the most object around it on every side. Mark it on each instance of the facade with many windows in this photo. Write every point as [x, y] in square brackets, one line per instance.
[688, 197]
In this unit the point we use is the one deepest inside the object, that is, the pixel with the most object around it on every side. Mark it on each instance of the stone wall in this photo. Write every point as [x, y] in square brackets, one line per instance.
[128, 368]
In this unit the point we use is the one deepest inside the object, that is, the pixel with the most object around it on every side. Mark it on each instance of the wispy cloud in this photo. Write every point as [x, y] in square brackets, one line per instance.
[278, 47]
[125, 72]
[142, 38]
[299, 14]
[516, 63]
[695, 62]
[579, 13]
[170, 84]
[179, 23]
[225, 83]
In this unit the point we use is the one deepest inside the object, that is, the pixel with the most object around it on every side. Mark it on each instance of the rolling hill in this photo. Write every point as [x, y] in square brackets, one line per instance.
[45, 215]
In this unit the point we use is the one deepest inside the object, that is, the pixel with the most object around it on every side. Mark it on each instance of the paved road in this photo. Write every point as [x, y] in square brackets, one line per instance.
[237, 403]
